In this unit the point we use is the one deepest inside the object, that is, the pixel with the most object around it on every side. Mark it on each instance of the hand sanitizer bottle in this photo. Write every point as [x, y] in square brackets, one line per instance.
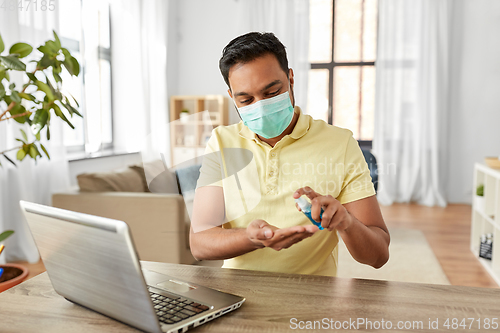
[305, 206]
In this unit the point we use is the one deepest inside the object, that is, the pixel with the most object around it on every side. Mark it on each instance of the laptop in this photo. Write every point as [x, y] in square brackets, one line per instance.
[92, 261]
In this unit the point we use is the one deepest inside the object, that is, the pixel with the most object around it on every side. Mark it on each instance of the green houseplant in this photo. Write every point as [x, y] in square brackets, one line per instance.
[34, 104]
[184, 115]
[479, 198]
[38, 100]
[480, 190]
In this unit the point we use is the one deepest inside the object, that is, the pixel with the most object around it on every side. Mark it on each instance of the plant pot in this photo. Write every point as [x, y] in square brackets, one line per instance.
[479, 203]
[184, 117]
[13, 274]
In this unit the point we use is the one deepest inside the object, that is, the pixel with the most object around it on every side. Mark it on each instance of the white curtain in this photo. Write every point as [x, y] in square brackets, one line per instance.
[412, 100]
[29, 181]
[289, 21]
[139, 60]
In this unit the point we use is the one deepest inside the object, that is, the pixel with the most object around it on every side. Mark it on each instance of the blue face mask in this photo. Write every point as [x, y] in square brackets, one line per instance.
[268, 117]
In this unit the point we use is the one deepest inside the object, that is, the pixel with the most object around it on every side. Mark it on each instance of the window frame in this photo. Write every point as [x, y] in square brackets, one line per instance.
[330, 66]
[104, 53]
[73, 45]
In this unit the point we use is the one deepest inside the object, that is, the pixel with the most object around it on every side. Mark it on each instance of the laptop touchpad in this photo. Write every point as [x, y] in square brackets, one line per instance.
[177, 286]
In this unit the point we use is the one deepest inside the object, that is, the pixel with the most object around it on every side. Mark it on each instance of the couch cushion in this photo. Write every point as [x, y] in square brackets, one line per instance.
[188, 177]
[122, 180]
[140, 170]
[159, 180]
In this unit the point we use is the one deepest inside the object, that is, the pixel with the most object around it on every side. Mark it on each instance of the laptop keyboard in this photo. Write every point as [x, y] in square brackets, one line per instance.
[173, 309]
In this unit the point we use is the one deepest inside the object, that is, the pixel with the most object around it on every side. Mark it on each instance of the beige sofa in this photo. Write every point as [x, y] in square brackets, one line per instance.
[159, 222]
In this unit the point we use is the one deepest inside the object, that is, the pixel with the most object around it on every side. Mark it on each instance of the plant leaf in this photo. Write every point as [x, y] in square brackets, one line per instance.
[33, 152]
[32, 77]
[48, 133]
[76, 66]
[76, 102]
[22, 49]
[17, 109]
[42, 86]
[53, 46]
[45, 151]
[6, 234]
[50, 48]
[25, 137]
[70, 108]
[21, 154]
[2, 45]
[58, 42]
[8, 159]
[12, 62]
[57, 94]
[57, 77]
[45, 50]
[70, 63]
[37, 136]
[15, 96]
[46, 62]
[2, 90]
[69, 66]
[57, 67]
[61, 115]
[28, 97]
[39, 121]
[66, 53]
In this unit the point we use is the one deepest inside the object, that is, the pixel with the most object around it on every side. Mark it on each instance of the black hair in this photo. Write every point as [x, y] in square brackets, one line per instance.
[251, 46]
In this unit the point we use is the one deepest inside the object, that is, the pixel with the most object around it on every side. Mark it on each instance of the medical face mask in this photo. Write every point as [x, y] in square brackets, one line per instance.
[268, 117]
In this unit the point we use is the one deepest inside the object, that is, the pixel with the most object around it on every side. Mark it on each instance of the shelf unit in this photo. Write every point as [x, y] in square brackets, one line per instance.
[188, 137]
[486, 218]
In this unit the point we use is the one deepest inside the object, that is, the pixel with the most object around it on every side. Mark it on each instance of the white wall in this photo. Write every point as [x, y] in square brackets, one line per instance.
[204, 27]
[199, 30]
[474, 127]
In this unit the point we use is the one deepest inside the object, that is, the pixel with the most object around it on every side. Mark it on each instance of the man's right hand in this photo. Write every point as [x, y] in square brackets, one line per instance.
[262, 234]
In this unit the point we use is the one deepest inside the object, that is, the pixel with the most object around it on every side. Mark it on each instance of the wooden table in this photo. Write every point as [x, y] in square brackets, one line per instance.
[273, 301]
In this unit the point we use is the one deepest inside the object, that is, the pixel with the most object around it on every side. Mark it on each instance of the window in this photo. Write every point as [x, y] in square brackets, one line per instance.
[84, 29]
[342, 52]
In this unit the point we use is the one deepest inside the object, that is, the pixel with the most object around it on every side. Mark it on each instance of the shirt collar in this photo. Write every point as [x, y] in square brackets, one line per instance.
[301, 127]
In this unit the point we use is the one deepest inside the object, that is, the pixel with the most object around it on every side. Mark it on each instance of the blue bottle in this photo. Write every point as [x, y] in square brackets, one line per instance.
[305, 206]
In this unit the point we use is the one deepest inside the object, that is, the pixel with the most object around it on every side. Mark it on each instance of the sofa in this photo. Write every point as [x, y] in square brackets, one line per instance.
[159, 221]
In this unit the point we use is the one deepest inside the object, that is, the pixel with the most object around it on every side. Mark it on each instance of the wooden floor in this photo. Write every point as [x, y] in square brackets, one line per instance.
[447, 230]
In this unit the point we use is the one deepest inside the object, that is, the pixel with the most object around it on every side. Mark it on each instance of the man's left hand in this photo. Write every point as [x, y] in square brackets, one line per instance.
[335, 216]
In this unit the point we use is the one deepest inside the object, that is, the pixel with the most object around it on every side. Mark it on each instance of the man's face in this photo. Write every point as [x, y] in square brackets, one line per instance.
[259, 79]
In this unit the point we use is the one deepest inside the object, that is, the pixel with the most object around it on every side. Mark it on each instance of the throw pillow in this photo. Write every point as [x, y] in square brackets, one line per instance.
[122, 180]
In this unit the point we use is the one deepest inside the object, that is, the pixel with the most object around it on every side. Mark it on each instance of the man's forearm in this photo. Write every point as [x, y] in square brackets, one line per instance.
[367, 244]
[218, 243]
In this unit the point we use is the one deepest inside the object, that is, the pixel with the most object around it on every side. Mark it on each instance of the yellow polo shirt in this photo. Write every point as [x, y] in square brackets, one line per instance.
[259, 180]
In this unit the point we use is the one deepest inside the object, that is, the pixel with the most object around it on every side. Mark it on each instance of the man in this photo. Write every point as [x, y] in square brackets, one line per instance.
[293, 155]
